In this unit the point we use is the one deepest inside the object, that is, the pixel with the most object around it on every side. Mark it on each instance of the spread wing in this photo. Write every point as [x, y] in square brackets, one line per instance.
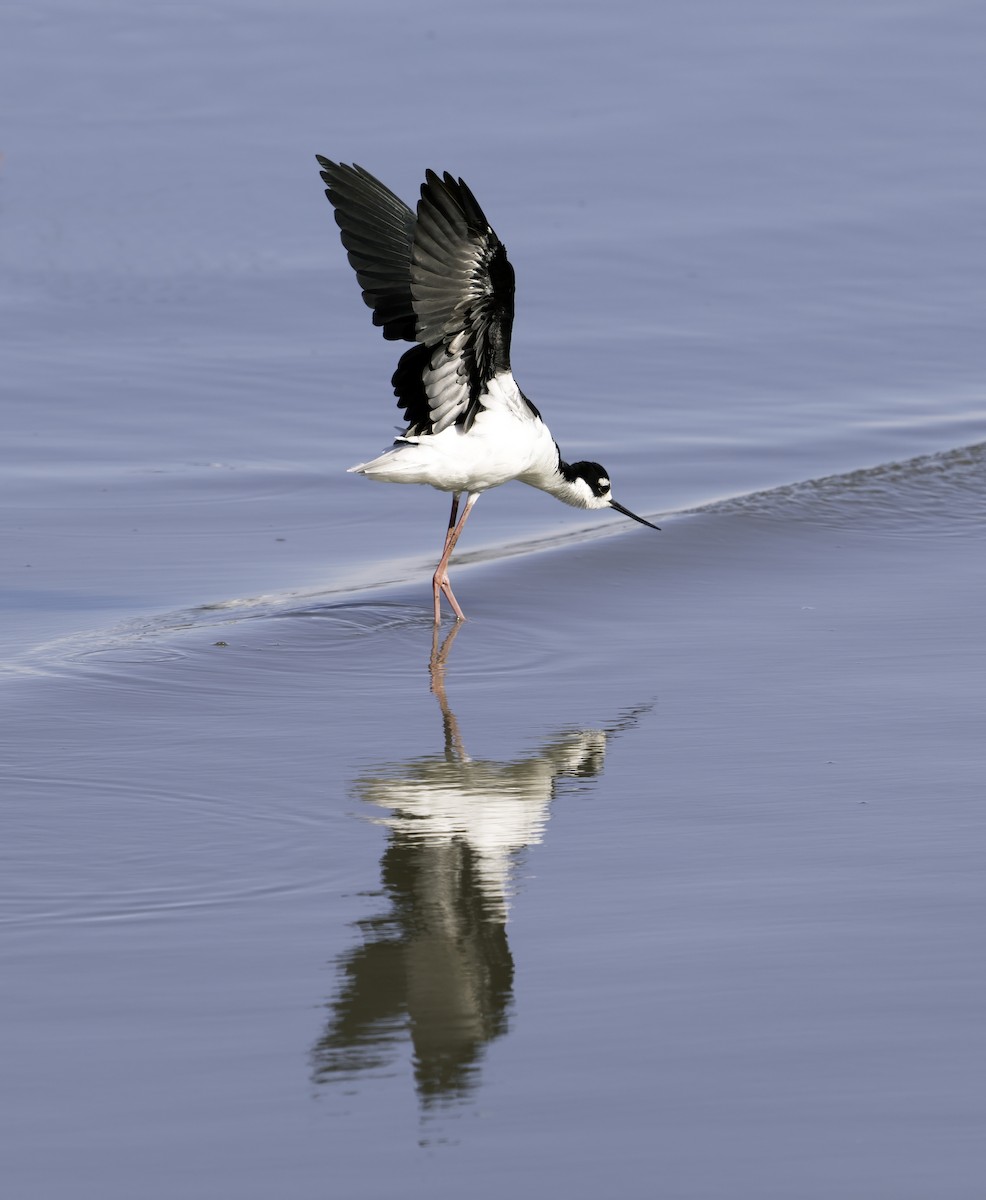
[439, 277]
[377, 231]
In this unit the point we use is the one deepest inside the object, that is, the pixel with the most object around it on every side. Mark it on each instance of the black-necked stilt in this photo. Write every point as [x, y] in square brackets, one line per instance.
[440, 277]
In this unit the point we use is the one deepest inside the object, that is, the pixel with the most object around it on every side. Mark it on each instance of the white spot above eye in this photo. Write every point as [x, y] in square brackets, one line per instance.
[603, 483]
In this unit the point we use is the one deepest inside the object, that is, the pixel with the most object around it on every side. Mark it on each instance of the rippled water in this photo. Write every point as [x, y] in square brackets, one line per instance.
[663, 872]
[936, 495]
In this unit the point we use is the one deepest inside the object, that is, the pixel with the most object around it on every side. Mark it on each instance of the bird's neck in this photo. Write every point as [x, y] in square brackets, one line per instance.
[559, 481]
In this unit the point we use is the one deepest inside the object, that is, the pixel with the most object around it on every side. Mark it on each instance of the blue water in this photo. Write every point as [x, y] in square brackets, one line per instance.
[663, 874]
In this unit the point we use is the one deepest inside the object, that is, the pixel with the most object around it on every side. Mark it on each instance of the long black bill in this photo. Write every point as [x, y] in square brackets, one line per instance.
[633, 516]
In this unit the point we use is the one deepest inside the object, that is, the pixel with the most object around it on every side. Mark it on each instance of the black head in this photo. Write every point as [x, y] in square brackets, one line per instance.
[591, 488]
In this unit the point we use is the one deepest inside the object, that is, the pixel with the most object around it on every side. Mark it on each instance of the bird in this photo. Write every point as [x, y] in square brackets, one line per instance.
[439, 277]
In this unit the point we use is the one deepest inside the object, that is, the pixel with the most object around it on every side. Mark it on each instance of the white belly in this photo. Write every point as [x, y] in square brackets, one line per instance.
[499, 447]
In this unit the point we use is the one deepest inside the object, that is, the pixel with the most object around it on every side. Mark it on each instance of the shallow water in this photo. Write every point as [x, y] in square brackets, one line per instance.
[287, 874]
[661, 875]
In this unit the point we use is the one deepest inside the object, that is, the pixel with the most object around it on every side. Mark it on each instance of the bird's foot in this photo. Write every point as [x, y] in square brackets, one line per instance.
[442, 587]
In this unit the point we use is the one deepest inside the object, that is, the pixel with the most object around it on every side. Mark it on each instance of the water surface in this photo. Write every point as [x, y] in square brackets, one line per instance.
[661, 875]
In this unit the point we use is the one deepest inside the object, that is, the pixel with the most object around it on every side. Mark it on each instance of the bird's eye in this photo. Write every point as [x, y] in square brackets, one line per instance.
[603, 484]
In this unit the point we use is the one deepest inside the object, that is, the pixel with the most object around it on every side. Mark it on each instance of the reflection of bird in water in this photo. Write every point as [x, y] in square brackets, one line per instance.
[440, 277]
[439, 963]
[490, 809]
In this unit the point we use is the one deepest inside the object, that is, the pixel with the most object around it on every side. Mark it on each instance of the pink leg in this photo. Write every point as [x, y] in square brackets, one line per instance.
[440, 581]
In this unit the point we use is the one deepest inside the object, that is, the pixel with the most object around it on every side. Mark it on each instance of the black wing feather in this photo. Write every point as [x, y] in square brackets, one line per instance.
[439, 277]
[377, 231]
[463, 290]
[409, 388]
